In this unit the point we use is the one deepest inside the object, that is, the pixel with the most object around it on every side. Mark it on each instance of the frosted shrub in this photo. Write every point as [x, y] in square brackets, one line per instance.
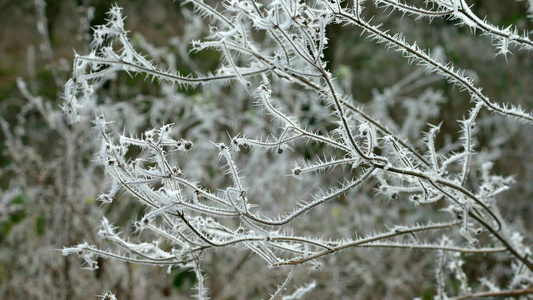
[264, 173]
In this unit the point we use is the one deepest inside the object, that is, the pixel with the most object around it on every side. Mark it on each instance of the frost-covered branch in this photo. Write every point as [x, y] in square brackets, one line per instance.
[263, 194]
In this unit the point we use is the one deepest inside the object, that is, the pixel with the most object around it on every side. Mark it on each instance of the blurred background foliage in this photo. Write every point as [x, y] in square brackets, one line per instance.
[38, 219]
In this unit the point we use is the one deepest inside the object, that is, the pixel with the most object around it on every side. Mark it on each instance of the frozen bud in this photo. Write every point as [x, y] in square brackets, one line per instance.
[297, 173]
